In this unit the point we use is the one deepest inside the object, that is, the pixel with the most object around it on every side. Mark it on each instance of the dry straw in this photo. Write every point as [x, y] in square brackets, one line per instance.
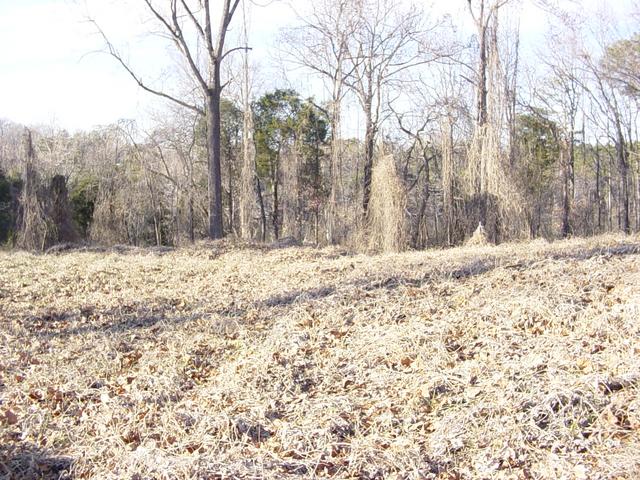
[479, 238]
[522, 361]
[386, 216]
[35, 227]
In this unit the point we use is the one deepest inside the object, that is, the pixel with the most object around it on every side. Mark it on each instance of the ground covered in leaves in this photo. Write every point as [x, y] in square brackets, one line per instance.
[518, 361]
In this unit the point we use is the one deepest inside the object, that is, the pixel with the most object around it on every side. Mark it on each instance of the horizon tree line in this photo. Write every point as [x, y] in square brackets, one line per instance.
[476, 136]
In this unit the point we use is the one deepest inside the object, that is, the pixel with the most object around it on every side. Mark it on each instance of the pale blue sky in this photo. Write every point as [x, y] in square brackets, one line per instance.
[48, 73]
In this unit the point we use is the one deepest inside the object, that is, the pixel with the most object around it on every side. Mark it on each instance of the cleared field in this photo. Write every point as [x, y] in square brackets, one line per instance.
[518, 361]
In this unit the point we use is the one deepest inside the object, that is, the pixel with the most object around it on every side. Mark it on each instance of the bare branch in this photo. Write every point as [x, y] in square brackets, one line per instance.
[111, 50]
[194, 20]
[185, 48]
[246, 49]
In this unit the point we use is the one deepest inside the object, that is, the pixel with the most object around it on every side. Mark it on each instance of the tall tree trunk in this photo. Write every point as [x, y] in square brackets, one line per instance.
[481, 88]
[213, 142]
[192, 233]
[571, 176]
[248, 192]
[632, 150]
[598, 195]
[610, 195]
[623, 165]
[369, 150]
[512, 110]
[248, 172]
[263, 213]
[211, 85]
[275, 214]
[637, 196]
[447, 178]
[230, 188]
[332, 207]
[566, 194]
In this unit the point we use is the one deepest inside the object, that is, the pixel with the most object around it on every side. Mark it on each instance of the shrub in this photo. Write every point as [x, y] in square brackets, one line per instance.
[83, 201]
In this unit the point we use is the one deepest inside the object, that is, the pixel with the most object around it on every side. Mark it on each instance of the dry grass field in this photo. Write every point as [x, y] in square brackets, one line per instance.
[512, 362]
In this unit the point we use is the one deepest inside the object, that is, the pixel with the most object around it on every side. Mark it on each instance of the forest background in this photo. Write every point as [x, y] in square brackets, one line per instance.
[378, 124]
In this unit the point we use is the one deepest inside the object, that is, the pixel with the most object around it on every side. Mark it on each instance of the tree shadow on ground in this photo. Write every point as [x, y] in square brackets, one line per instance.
[65, 324]
[25, 461]
[140, 316]
[461, 271]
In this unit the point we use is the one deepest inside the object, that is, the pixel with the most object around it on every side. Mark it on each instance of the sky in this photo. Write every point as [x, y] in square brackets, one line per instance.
[53, 69]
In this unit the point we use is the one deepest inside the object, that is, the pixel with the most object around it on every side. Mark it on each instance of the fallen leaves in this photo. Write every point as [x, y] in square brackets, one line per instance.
[235, 366]
[129, 359]
[10, 418]
[407, 361]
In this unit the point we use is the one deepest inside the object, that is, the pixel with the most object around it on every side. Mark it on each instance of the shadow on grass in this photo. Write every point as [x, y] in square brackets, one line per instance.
[620, 250]
[456, 272]
[115, 320]
[293, 296]
[139, 317]
[27, 462]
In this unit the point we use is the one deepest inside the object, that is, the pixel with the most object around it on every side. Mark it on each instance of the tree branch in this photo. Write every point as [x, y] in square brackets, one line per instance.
[193, 19]
[235, 50]
[111, 50]
[185, 48]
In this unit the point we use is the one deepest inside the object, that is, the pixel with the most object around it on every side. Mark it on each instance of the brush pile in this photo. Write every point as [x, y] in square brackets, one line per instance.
[522, 361]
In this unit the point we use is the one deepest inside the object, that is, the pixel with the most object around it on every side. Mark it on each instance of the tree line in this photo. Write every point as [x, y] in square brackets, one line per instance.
[454, 131]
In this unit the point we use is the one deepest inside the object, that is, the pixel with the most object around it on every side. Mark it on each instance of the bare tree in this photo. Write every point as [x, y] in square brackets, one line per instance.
[182, 16]
[420, 147]
[493, 196]
[248, 173]
[608, 101]
[561, 96]
[483, 13]
[320, 44]
[389, 40]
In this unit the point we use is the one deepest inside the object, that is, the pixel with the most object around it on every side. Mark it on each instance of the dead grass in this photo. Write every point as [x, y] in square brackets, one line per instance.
[479, 238]
[386, 225]
[517, 361]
